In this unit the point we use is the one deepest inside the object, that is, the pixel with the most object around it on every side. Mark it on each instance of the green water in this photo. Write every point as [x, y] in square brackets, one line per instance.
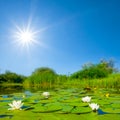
[63, 104]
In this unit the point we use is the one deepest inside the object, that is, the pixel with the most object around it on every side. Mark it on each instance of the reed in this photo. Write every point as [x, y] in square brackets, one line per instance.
[49, 80]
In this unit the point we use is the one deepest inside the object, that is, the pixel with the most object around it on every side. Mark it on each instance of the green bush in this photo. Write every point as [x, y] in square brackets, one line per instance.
[10, 77]
[42, 76]
[92, 71]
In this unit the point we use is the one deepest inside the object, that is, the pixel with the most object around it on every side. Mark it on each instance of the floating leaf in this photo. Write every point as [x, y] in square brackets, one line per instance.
[66, 109]
[81, 110]
[47, 108]
[115, 105]
[111, 110]
[81, 104]
[71, 100]
[108, 117]
[47, 101]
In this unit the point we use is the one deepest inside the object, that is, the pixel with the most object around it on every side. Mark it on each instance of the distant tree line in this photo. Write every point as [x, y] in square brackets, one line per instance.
[99, 70]
[44, 75]
[10, 77]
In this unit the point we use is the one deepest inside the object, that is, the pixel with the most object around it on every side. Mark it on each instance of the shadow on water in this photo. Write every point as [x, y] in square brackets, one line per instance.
[4, 116]
[11, 89]
[27, 107]
[100, 112]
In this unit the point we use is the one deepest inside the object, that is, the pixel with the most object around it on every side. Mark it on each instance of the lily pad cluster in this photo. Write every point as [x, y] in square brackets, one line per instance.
[60, 102]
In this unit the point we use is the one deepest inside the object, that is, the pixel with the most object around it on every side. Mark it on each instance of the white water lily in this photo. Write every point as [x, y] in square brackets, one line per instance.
[46, 94]
[15, 105]
[86, 99]
[94, 106]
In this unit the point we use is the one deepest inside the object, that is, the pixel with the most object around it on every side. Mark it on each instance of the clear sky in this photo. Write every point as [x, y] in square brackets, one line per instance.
[68, 33]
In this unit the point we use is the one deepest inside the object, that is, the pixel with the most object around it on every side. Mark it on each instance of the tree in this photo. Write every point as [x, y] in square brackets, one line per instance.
[91, 71]
[10, 77]
[44, 70]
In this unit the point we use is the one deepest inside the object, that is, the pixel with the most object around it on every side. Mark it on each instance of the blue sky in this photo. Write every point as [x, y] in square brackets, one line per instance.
[73, 32]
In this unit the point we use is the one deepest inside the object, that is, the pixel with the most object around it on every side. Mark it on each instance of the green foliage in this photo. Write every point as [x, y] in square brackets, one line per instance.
[10, 77]
[112, 82]
[35, 109]
[92, 75]
[61, 79]
[44, 70]
[42, 76]
[92, 71]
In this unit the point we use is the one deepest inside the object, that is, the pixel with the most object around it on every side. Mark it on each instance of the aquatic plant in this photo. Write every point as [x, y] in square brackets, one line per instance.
[62, 104]
[107, 95]
[86, 99]
[46, 94]
[94, 106]
[15, 105]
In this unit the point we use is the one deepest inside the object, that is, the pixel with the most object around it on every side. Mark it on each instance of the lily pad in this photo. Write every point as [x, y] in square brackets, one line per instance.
[47, 101]
[116, 105]
[111, 110]
[47, 108]
[81, 110]
[66, 109]
[109, 117]
[103, 102]
[71, 100]
[81, 104]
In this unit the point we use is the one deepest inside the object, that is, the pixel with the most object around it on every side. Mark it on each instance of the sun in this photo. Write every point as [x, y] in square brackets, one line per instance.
[25, 37]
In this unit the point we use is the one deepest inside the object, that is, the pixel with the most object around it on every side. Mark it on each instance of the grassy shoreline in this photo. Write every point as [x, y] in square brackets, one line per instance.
[111, 82]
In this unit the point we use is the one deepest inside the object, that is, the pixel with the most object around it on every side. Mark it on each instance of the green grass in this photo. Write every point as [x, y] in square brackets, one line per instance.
[112, 81]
